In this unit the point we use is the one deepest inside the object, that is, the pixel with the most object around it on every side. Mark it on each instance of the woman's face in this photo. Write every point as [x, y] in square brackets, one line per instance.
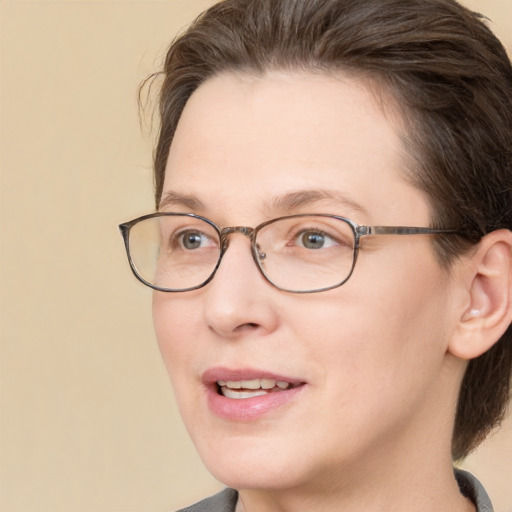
[367, 361]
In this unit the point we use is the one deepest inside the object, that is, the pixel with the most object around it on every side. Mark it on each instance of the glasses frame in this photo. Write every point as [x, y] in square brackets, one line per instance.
[358, 230]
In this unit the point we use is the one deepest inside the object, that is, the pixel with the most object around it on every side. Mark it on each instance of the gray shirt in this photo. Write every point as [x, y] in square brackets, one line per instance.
[470, 487]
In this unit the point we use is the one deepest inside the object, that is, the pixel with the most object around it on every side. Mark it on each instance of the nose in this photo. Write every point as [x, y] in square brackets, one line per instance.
[239, 300]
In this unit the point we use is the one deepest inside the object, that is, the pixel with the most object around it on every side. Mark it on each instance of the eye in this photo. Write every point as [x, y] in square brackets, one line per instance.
[191, 240]
[313, 239]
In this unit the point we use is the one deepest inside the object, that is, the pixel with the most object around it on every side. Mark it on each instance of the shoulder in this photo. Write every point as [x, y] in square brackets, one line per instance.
[224, 501]
[474, 490]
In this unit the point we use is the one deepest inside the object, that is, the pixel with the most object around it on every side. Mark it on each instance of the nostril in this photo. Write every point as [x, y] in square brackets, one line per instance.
[249, 326]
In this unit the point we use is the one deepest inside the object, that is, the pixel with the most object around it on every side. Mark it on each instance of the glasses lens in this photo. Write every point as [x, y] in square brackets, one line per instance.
[306, 253]
[174, 252]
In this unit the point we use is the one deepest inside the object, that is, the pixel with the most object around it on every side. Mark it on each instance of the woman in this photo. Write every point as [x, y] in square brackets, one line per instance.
[297, 138]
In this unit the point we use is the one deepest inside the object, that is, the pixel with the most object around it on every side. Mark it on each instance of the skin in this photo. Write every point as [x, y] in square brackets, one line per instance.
[371, 428]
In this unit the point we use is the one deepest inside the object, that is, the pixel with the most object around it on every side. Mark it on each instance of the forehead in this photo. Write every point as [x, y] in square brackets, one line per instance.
[243, 139]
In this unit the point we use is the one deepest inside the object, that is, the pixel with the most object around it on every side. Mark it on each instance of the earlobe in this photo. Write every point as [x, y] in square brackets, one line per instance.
[489, 312]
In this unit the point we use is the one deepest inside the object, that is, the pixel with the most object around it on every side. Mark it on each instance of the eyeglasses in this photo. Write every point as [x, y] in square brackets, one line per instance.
[306, 253]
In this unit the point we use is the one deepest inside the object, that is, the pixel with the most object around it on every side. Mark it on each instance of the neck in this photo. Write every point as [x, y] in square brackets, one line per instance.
[415, 473]
[418, 490]
[411, 471]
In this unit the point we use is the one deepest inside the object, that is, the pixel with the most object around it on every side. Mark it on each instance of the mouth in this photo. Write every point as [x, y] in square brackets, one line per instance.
[242, 389]
[246, 395]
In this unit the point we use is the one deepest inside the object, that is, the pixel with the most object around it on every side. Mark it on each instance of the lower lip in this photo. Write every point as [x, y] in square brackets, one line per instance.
[249, 409]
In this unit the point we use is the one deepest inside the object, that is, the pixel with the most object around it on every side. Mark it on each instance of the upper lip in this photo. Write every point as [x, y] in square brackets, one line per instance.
[212, 375]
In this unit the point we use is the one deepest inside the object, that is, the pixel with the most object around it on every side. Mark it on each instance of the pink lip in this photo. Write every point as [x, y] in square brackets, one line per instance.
[246, 409]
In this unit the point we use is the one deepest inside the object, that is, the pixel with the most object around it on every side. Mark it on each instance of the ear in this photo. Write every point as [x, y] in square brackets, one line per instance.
[488, 312]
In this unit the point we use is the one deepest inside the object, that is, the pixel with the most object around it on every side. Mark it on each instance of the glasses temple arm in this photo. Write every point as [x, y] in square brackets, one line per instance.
[400, 230]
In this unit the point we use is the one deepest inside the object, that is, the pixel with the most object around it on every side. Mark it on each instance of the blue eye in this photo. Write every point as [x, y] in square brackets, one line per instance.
[191, 240]
[314, 240]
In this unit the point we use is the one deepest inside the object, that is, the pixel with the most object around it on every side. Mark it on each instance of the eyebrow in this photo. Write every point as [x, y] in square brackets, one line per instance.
[170, 199]
[302, 198]
[288, 202]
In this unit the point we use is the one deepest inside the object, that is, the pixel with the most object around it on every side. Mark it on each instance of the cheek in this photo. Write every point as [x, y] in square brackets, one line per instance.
[175, 322]
[380, 332]
[177, 329]
[406, 289]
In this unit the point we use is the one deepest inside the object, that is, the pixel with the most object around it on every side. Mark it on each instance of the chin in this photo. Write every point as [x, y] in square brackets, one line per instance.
[241, 466]
[255, 477]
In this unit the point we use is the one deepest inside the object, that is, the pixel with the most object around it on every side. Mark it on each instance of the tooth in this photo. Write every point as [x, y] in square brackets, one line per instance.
[268, 383]
[251, 384]
[230, 393]
[251, 394]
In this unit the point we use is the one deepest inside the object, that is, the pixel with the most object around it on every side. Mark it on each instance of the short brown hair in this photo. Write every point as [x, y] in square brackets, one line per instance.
[452, 81]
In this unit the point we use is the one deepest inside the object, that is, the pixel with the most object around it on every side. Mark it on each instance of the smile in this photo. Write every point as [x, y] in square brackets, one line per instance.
[248, 394]
[243, 389]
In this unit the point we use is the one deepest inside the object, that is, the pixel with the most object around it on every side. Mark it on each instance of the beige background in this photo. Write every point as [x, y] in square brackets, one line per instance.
[88, 421]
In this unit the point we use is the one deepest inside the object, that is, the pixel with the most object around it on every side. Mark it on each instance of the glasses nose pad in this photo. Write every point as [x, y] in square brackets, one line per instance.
[224, 243]
[259, 253]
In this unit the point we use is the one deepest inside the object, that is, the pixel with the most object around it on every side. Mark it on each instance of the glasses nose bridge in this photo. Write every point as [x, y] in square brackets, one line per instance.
[244, 230]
